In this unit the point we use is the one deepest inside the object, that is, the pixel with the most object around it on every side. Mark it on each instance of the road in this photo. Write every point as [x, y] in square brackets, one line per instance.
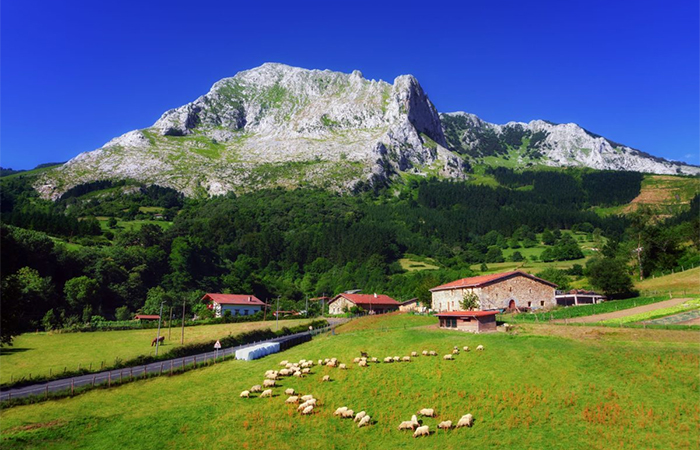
[624, 312]
[166, 366]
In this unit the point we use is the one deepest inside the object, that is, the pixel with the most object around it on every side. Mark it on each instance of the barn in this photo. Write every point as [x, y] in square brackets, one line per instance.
[238, 304]
[412, 305]
[372, 304]
[509, 290]
[470, 321]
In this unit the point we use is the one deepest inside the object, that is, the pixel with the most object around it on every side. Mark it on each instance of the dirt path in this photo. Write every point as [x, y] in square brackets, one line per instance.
[624, 312]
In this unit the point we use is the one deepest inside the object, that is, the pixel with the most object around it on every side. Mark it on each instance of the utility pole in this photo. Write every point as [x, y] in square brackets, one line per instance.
[307, 306]
[182, 338]
[160, 318]
[170, 321]
[277, 313]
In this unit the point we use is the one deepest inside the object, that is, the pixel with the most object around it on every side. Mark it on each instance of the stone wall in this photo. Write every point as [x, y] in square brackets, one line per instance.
[337, 306]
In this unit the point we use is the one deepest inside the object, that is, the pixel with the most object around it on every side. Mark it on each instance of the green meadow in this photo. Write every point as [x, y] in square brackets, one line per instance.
[525, 390]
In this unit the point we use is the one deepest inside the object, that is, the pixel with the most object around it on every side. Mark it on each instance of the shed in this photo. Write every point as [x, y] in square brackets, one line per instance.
[470, 321]
[412, 305]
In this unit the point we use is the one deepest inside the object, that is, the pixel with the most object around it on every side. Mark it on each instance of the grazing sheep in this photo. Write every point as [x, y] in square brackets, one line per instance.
[427, 412]
[448, 357]
[480, 348]
[414, 354]
[356, 360]
[245, 394]
[388, 359]
[289, 391]
[284, 363]
[421, 431]
[342, 366]
[397, 359]
[364, 422]
[268, 383]
[288, 366]
[347, 414]
[320, 362]
[326, 378]
[433, 353]
[308, 410]
[311, 402]
[271, 376]
[292, 399]
[340, 411]
[406, 359]
[414, 420]
[266, 393]
[466, 348]
[307, 397]
[374, 359]
[256, 388]
[407, 425]
[425, 352]
[467, 420]
[359, 416]
[305, 371]
[445, 425]
[455, 352]
[330, 364]
[297, 374]
[303, 406]
[455, 348]
[362, 364]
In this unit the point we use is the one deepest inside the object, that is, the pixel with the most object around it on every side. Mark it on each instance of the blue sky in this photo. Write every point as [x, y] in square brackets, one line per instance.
[75, 74]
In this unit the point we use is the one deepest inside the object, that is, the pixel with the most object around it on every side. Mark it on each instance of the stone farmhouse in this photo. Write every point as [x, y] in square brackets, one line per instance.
[509, 290]
[372, 304]
[239, 305]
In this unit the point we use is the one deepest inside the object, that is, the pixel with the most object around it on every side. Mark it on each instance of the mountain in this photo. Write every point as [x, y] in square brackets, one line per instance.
[544, 143]
[277, 125]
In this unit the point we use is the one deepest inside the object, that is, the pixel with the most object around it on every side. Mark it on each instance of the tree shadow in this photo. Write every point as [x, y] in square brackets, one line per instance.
[11, 350]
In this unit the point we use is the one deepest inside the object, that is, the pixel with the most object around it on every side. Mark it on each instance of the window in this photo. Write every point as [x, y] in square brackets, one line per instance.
[542, 303]
[510, 289]
[236, 311]
[245, 312]
[454, 323]
[529, 304]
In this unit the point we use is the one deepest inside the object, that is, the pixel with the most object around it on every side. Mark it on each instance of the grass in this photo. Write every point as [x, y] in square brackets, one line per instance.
[525, 391]
[132, 225]
[582, 310]
[47, 353]
[663, 312]
[687, 281]
[412, 263]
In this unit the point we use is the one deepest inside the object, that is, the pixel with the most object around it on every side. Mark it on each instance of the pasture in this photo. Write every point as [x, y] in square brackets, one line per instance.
[44, 353]
[531, 389]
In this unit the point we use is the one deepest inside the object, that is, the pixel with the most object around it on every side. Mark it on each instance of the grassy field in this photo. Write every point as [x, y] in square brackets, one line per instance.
[663, 312]
[688, 281]
[527, 390]
[45, 353]
[665, 194]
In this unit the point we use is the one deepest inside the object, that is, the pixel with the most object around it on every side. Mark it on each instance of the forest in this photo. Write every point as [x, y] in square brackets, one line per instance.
[75, 260]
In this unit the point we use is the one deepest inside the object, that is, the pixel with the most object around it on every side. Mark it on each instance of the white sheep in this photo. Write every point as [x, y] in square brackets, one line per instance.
[245, 394]
[303, 406]
[330, 364]
[467, 420]
[288, 366]
[445, 425]
[455, 352]
[359, 416]
[422, 431]
[466, 348]
[388, 359]
[271, 376]
[427, 412]
[356, 360]
[305, 371]
[374, 359]
[414, 354]
[406, 359]
[365, 421]
[342, 366]
[448, 357]
[268, 383]
[284, 363]
[289, 391]
[407, 425]
[397, 359]
[266, 393]
[326, 378]
[362, 364]
[480, 348]
[414, 419]
[292, 399]
[256, 388]
[432, 353]
[308, 410]
[340, 410]
[298, 374]
[320, 362]
[311, 401]
[307, 397]
[347, 414]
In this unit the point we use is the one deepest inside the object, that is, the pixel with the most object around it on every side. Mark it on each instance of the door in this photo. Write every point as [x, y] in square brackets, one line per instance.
[511, 304]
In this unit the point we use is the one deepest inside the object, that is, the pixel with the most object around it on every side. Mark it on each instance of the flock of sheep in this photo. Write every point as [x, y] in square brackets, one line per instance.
[307, 403]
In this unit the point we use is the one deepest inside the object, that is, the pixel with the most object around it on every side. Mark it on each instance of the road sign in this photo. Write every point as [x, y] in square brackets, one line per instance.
[217, 345]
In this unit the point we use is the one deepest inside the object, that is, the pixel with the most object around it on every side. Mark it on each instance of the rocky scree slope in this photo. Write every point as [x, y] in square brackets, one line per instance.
[276, 125]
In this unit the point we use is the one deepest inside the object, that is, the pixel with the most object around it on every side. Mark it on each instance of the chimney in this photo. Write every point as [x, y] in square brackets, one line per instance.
[250, 299]
[375, 295]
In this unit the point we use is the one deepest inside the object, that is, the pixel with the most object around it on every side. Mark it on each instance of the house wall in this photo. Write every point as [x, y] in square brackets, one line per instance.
[523, 290]
[240, 310]
[337, 306]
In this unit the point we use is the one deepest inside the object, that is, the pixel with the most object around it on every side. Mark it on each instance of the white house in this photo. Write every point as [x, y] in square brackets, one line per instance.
[238, 304]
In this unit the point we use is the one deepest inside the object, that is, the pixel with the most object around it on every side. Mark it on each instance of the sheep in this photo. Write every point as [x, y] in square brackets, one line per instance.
[245, 394]
[307, 397]
[414, 354]
[425, 352]
[340, 411]
[342, 366]
[421, 431]
[433, 353]
[271, 376]
[448, 357]
[365, 421]
[311, 402]
[284, 363]
[325, 361]
[297, 374]
[480, 348]
[308, 410]
[305, 371]
[466, 348]
[347, 414]
[292, 399]
[303, 406]
[356, 360]
[455, 352]
[407, 425]
[326, 378]
[256, 388]
[427, 412]
[266, 393]
[397, 359]
[445, 425]
[359, 416]
[289, 391]
[414, 420]
[467, 420]
[320, 362]
[388, 359]
[455, 348]
[288, 366]
[406, 359]
[362, 364]
[268, 383]
[330, 364]
[374, 359]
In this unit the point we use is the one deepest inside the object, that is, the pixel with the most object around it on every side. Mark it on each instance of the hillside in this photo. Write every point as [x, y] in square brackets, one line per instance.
[277, 125]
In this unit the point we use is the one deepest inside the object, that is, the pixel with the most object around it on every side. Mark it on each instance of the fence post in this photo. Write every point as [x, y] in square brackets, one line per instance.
[93, 381]
[72, 386]
[161, 369]
[109, 379]
[46, 392]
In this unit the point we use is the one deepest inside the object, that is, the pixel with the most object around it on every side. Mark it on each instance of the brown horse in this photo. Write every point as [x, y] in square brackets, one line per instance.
[157, 339]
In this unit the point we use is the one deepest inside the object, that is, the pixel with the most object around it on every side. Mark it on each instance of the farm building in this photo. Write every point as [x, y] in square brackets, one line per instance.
[509, 290]
[412, 305]
[373, 304]
[146, 317]
[578, 297]
[471, 321]
[239, 305]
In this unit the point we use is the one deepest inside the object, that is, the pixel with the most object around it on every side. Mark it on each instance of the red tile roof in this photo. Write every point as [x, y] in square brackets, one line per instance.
[467, 313]
[368, 300]
[483, 280]
[146, 317]
[233, 299]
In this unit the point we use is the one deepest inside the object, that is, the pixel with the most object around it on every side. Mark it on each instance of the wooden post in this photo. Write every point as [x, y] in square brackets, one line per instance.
[182, 338]
[109, 379]
[46, 392]
[93, 381]
[171, 367]
[131, 373]
[72, 386]
[121, 372]
[161, 369]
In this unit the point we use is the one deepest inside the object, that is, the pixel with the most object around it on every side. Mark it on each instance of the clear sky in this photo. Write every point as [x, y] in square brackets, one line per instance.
[75, 74]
